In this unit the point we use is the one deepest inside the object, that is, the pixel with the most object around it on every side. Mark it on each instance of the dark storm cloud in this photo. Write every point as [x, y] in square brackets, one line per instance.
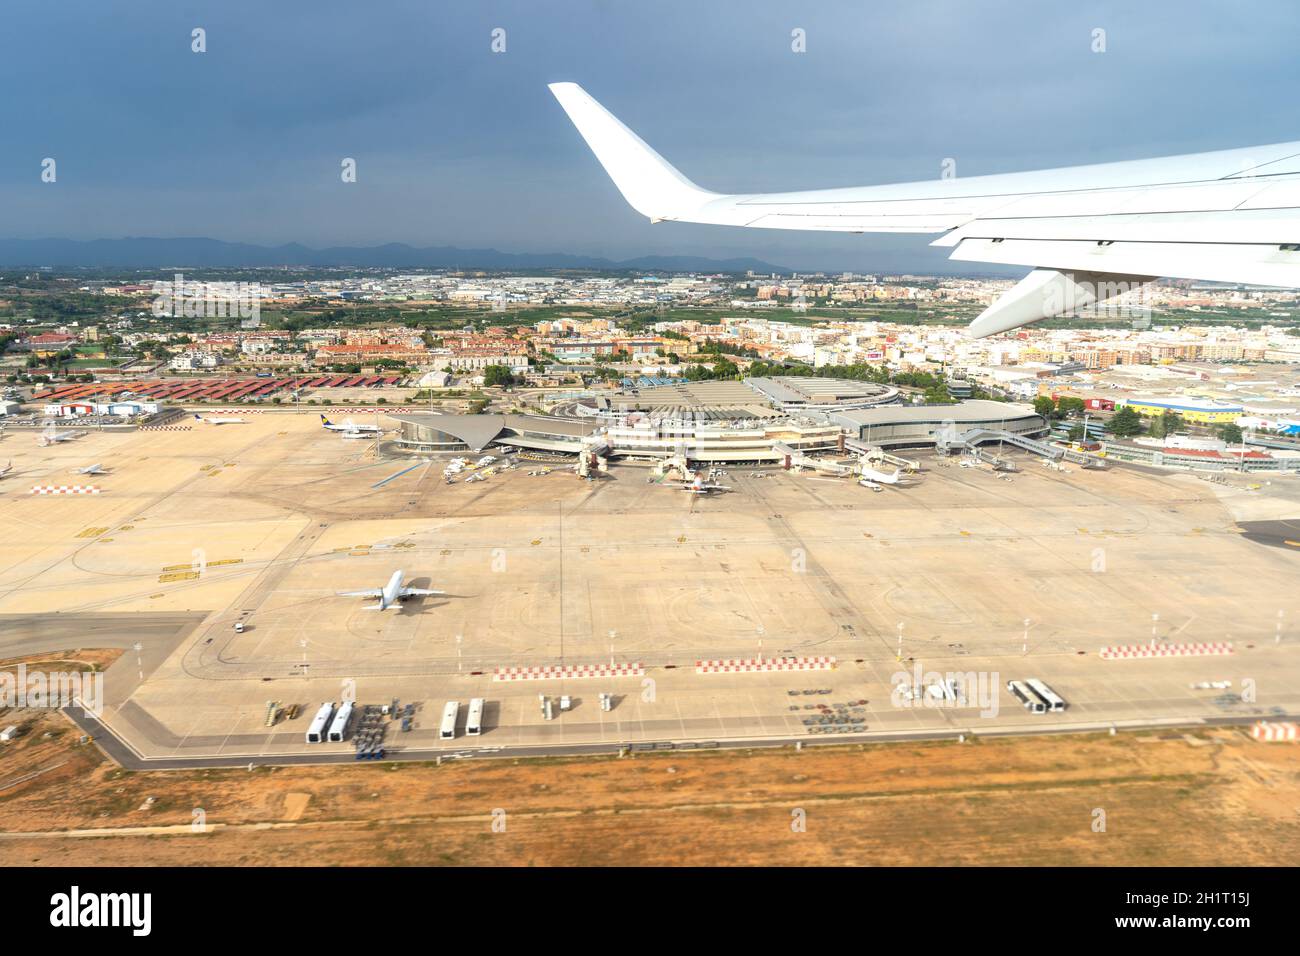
[458, 145]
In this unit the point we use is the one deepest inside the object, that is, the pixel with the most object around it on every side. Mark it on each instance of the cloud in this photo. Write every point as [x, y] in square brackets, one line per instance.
[456, 144]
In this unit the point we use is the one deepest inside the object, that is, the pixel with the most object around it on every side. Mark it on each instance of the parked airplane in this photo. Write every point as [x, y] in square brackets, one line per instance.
[51, 436]
[95, 469]
[390, 594]
[882, 477]
[1089, 233]
[698, 486]
[349, 428]
[219, 421]
[7, 468]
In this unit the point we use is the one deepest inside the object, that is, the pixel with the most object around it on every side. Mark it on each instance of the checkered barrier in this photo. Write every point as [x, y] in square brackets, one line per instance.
[561, 672]
[1270, 732]
[1212, 649]
[234, 411]
[166, 428]
[65, 490]
[765, 665]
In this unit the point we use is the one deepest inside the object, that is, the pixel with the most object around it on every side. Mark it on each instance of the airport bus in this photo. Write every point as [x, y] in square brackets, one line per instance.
[319, 723]
[1054, 702]
[474, 719]
[1022, 693]
[448, 729]
[340, 725]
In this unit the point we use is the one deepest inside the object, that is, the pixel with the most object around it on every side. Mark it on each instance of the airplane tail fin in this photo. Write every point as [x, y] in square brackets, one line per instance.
[324, 420]
[647, 181]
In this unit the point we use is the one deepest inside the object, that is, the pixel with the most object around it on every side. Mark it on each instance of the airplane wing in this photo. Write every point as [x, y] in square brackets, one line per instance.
[367, 593]
[418, 592]
[1088, 232]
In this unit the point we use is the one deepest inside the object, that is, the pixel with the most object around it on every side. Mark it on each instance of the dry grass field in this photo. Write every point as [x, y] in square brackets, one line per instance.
[1212, 798]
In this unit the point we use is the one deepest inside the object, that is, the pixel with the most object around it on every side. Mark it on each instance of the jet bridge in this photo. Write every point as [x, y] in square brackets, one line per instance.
[878, 456]
[797, 459]
[971, 440]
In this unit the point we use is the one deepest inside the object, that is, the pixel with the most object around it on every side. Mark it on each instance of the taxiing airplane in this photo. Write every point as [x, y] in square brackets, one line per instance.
[350, 429]
[95, 469]
[219, 421]
[390, 595]
[1089, 233]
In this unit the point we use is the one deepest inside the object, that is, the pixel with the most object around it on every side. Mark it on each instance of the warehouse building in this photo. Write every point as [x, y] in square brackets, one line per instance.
[1200, 411]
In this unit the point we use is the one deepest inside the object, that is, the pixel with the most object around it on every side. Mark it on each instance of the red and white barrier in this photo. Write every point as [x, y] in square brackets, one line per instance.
[1274, 732]
[166, 428]
[65, 490]
[567, 671]
[764, 665]
[1212, 649]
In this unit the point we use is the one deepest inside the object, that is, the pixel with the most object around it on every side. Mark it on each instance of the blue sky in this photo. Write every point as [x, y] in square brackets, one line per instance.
[458, 145]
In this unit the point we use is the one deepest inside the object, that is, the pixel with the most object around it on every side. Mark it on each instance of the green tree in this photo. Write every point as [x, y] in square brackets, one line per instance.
[1231, 433]
[1170, 423]
[1070, 405]
[1124, 423]
[938, 395]
[1044, 405]
[495, 375]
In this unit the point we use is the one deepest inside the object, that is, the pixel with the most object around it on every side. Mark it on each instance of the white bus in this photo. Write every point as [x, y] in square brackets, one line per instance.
[474, 719]
[340, 725]
[448, 729]
[1026, 696]
[316, 732]
[1054, 702]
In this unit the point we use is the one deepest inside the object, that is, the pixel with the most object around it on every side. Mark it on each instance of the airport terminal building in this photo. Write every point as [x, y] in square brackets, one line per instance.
[915, 426]
[755, 421]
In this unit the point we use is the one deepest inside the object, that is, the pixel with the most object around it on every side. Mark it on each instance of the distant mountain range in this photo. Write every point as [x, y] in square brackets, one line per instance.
[145, 253]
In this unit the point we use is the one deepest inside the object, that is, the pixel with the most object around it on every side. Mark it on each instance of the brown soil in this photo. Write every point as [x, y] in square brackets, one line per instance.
[1214, 798]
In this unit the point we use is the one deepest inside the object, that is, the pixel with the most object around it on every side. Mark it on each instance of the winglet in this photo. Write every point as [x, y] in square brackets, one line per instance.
[1047, 293]
[647, 181]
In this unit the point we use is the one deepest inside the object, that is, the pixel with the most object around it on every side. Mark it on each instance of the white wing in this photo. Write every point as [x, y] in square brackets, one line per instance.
[1091, 232]
[418, 592]
[367, 593]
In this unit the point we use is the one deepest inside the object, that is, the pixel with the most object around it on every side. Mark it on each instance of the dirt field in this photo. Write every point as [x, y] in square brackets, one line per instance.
[1213, 798]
